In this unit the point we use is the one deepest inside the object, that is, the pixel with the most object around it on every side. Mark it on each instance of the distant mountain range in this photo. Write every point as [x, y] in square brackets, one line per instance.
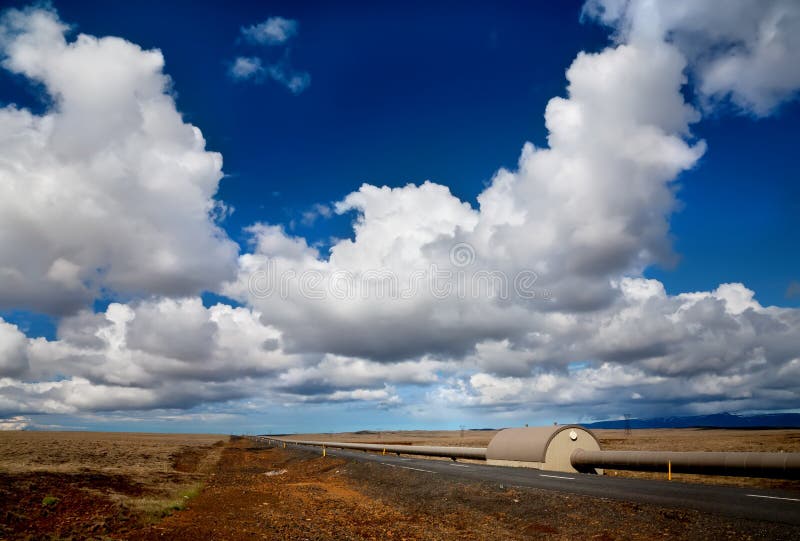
[717, 420]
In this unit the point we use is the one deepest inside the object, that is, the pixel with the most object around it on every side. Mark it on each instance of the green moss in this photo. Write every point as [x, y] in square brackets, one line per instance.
[49, 501]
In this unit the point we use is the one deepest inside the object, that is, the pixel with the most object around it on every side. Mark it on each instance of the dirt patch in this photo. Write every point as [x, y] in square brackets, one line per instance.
[38, 505]
[188, 459]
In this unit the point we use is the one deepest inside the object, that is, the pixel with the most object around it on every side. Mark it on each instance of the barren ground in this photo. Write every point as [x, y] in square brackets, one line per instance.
[91, 484]
[144, 486]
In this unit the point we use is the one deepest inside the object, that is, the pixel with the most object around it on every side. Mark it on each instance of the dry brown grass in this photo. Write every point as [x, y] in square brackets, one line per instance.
[108, 452]
[165, 501]
[701, 439]
[103, 477]
[471, 438]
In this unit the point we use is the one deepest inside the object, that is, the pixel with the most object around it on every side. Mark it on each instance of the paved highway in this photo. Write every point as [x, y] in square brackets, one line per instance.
[760, 504]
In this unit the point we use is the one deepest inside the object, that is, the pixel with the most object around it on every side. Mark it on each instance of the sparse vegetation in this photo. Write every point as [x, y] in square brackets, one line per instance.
[154, 508]
[72, 484]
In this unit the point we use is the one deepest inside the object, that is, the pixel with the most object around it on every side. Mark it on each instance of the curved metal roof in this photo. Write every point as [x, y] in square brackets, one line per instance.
[527, 444]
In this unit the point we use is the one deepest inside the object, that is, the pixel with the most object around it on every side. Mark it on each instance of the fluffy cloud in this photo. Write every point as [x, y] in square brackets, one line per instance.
[167, 353]
[109, 188]
[15, 423]
[246, 67]
[273, 31]
[13, 350]
[157, 353]
[250, 68]
[745, 52]
[176, 353]
[336, 373]
[695, 352]
[283, 73]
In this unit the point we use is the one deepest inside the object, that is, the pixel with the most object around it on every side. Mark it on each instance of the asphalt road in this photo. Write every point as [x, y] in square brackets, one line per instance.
[759, 504]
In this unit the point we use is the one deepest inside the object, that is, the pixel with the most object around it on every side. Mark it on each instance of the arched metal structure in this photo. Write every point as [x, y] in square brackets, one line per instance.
[542, 447]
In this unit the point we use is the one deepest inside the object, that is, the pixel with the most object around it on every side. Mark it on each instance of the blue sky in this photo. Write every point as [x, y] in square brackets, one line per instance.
[402, 94]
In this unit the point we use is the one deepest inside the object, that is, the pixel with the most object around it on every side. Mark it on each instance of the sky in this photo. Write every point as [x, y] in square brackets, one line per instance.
[286, 217]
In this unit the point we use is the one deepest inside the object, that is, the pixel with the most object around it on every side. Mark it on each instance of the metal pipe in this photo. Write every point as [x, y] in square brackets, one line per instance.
[475, 453]
[774, 465]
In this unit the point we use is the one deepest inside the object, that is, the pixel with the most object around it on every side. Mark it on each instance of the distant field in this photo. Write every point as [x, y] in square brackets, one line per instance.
[119, 452]
[107, 482]
[666, 439]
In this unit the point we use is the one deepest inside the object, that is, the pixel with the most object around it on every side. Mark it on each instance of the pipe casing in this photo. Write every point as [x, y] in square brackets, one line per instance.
[774, 465]
[475, 453]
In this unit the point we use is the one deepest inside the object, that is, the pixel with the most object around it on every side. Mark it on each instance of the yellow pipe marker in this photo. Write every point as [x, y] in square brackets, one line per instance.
[323, 451]
[669, 470]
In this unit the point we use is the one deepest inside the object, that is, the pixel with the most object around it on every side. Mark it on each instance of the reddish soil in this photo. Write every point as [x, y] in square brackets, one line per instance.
[84, 507]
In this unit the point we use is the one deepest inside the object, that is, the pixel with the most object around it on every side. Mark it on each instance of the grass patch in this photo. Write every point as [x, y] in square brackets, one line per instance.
[154, 508]
[49, 501]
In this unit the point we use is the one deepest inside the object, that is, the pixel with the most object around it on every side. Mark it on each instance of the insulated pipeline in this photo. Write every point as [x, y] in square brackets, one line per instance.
[475, 453]
[775, 465]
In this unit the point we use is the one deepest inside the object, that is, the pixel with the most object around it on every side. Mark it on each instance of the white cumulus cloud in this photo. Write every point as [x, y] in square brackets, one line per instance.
[109, 189]
[745, 51]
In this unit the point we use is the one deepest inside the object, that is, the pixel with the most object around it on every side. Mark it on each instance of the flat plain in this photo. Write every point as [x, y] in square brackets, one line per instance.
[175, 486]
